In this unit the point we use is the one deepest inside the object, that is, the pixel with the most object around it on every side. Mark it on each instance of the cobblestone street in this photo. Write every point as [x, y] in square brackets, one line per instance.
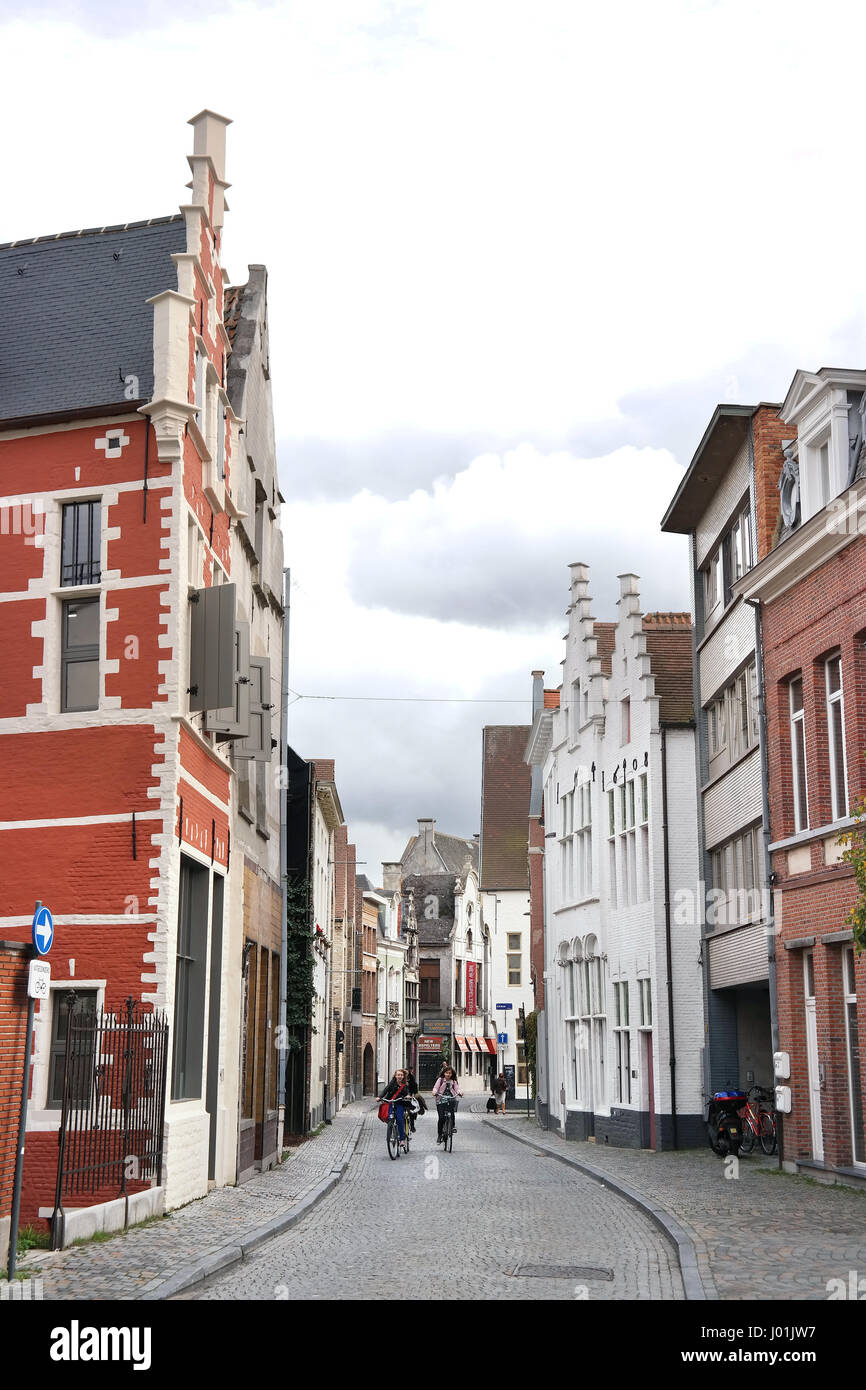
[489, 1217]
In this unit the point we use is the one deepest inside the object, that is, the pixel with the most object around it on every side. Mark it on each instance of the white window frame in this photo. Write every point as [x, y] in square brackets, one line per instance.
[798, 752]
[849, 999]
[838, 804]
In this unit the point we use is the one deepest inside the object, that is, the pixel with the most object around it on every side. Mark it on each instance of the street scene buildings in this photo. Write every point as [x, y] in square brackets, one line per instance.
[650, 917]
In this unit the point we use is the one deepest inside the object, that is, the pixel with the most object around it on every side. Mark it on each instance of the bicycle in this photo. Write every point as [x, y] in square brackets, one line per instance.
[448, 1105]
[392, 1133]
[758, 1123]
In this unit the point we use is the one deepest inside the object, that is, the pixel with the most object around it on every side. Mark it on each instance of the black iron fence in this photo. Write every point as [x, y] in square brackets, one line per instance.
[113, 1108]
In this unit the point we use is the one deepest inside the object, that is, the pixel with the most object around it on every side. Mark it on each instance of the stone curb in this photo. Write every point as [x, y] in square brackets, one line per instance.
[694, 1284]
[234, 1251]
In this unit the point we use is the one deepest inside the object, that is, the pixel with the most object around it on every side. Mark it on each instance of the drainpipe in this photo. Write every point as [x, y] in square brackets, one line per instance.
[770, 927]
[284, 841]
[668, 951]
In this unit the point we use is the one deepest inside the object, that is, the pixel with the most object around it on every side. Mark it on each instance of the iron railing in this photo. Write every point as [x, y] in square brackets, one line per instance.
[113, 1113]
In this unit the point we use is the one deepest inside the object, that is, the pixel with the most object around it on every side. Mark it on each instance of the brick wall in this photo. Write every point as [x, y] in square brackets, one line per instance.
[823, 612]
[768, 431]
[14, 964]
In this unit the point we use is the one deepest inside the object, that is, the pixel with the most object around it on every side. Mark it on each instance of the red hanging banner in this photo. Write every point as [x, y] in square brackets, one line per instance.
[471, 985]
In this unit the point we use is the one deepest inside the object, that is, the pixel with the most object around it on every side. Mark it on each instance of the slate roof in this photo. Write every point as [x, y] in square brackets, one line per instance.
[669, 644]
[75, 321]
[505, 790]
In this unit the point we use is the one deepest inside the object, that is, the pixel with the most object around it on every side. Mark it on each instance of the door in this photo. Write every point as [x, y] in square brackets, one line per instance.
[812, 1056]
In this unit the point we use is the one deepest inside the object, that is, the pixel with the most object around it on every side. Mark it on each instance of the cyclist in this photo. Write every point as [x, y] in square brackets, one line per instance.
[446, 1089]
[397, 1091]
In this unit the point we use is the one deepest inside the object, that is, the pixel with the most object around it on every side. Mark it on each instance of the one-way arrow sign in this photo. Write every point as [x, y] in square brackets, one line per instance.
[43, 930]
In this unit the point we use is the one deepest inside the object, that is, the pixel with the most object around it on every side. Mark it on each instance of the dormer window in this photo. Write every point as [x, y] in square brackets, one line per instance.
[824, 407]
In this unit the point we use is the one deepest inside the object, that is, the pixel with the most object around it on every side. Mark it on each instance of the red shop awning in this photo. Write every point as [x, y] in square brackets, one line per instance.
[461, 1043]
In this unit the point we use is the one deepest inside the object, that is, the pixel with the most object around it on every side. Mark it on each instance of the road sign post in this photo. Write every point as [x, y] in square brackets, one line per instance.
[38, 980]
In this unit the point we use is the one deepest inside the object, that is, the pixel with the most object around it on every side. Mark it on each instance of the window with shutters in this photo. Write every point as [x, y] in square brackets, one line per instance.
[233, 720]
[213, 647]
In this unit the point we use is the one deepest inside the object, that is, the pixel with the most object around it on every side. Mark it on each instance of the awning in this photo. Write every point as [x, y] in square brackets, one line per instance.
[461, 1043]
[473, 1045]
[490, 1044]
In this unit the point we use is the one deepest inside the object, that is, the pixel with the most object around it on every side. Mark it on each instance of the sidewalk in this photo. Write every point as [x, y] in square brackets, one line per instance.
[156, 1260]
[761, 1235]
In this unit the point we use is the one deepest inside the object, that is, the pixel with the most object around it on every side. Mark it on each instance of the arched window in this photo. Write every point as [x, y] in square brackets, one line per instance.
[469, 941]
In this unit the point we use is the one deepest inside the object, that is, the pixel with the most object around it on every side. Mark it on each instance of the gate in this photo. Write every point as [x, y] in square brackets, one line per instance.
[113, 1112]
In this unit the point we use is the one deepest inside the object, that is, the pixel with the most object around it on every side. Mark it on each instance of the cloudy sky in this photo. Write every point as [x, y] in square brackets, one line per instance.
[518, 251]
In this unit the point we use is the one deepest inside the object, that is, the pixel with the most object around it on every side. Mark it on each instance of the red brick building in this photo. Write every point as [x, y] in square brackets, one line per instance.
[810, 580]
[142, 619]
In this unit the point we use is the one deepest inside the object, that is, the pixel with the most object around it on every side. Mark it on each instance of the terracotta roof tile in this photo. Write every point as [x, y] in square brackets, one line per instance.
[669, 644]
[505, 808]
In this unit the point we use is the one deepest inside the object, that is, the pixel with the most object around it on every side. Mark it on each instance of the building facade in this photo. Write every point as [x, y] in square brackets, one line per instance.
[506, 784]
[147, 633]
[810, 582]
[715, 507]
[438, 877]
[623, 1005]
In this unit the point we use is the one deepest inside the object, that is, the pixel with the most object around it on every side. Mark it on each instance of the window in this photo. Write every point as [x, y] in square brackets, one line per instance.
[83, 1047]
[79, 659]
[822, 474]
[798, 754]
[625, 736]
[428, 982]
[611, 813]
[575, 710]
[712, 582]
[80, 544]
[836, 738]
[622, 1041]
[200, 361]
[514, 958]
[522, 1078]
[458, 984]
[737, 880]
[189, 989]
[644, 799]
[732, 720]
[645, 991]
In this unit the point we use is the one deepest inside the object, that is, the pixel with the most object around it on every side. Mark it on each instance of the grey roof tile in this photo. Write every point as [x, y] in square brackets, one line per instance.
[75, 318]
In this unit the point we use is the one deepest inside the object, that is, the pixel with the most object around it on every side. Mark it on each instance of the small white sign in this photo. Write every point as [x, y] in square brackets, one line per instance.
[39, 979]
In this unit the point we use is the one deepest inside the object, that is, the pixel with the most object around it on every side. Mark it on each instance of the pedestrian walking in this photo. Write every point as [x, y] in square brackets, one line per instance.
[500, 1090]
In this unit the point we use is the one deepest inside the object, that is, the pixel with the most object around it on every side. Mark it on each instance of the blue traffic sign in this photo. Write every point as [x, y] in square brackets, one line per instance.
[502, 1039]
[43, 930]
[505, 1006]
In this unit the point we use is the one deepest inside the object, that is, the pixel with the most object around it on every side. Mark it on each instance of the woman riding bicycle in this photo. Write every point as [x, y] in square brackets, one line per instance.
[397, 1091]
[446, 1092]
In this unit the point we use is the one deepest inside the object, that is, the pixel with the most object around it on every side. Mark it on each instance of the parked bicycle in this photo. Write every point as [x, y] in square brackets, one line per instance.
[758, 1120]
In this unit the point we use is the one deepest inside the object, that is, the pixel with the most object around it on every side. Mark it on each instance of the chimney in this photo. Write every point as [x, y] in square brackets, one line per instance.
[426, 831]
[537, 692]
[392, 876]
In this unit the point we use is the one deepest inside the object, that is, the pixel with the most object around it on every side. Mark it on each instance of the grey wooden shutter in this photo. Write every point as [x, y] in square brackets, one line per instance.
[212, 647]
[258, 744]
[233, 719]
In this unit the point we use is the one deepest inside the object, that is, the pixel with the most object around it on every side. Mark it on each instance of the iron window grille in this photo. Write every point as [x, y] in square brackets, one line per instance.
[80, 544]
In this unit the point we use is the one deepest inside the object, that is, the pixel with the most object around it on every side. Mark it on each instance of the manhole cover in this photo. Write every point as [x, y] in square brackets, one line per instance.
[560, 1272]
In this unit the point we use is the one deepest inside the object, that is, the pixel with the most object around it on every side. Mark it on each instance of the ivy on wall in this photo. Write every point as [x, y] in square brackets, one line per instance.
[299, 958]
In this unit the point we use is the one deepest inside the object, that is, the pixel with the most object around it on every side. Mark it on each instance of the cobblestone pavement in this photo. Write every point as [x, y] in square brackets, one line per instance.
[761, 1235]
[469, 1219]
[125, 1265]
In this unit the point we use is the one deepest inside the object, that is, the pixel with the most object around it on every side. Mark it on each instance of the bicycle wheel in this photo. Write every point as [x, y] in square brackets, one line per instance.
[448, 1133]
[768, 1132]
[747, 1143]
[392, 1138]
